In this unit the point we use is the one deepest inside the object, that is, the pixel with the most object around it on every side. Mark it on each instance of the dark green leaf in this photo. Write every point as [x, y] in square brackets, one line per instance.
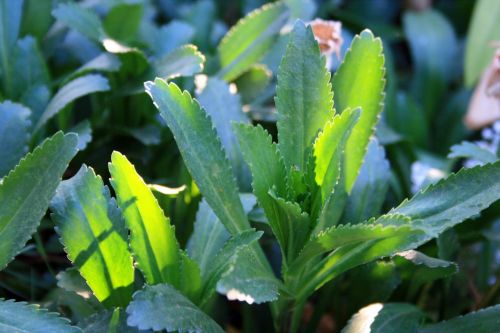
[79, 87]
[483, 321]
[161, 307]
[14, 135]
[303, 97]
[26, 191]
[24, 317]
[123, 20]
[201, 150]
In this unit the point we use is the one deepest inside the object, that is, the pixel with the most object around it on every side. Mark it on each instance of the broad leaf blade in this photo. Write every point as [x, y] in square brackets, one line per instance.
[452, 200]
[14, 135]
[26, 191]
[201, 150]
[245, 280]
[74, 89]
[224, 108]
[80, 19]
[24, 317]
[152, 238]
[225, 258]
[304, 98]
[183, 61]
[359, 82]
[248, 40]
[369, 191]
[94, 236]
[109, 321]
[208, 237]
[161, 307]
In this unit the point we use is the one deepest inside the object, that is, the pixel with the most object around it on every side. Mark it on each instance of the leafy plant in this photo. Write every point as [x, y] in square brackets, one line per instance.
[303, 185]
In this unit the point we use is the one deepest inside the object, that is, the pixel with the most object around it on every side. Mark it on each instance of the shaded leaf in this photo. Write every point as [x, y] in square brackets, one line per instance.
[80, 19]
[248, 40]
[24, 317]
[224, 108]
[74, 89]
[370, 188]
[94, 236]
[14, 134]
[161, 307]
[483, 321]
[183, 61]
[26, 191]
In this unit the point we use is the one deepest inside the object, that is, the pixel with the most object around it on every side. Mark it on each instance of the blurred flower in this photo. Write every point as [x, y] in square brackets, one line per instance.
[328, 34]
[484, 107]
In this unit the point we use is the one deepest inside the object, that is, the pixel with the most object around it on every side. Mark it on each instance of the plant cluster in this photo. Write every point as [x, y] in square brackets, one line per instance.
[262, 186]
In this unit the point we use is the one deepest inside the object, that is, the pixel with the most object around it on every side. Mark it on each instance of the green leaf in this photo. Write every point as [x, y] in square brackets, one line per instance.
[253, 82]
[434, 48]
[290, 225]
[24, 317]
[10, 14]
[208, 237]
[225, 259]
[152, 238]
[369, 191]
[354, 249]
[74, 89]
[330, 169]
[483, 29]
[344, 235]
[386, 318]
[473, 151]
[84, 132]
[123, 21]
[161, 307]
[202, 152]
[183, 61]
[483, 321]
[37, 18]
[453, 200]
[26, 191]
[109, 321]
[28, 66]
[80, 19]
[249, 40]
[329, 149]
[224, 108]
[359, 82]
[191, 280]
[419, 269]
[245, 280]
[94, 236]
[303, 97]
[14, 135]
[104, 62]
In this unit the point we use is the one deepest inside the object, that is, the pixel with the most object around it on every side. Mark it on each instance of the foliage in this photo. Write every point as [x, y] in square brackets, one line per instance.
[246, 166]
